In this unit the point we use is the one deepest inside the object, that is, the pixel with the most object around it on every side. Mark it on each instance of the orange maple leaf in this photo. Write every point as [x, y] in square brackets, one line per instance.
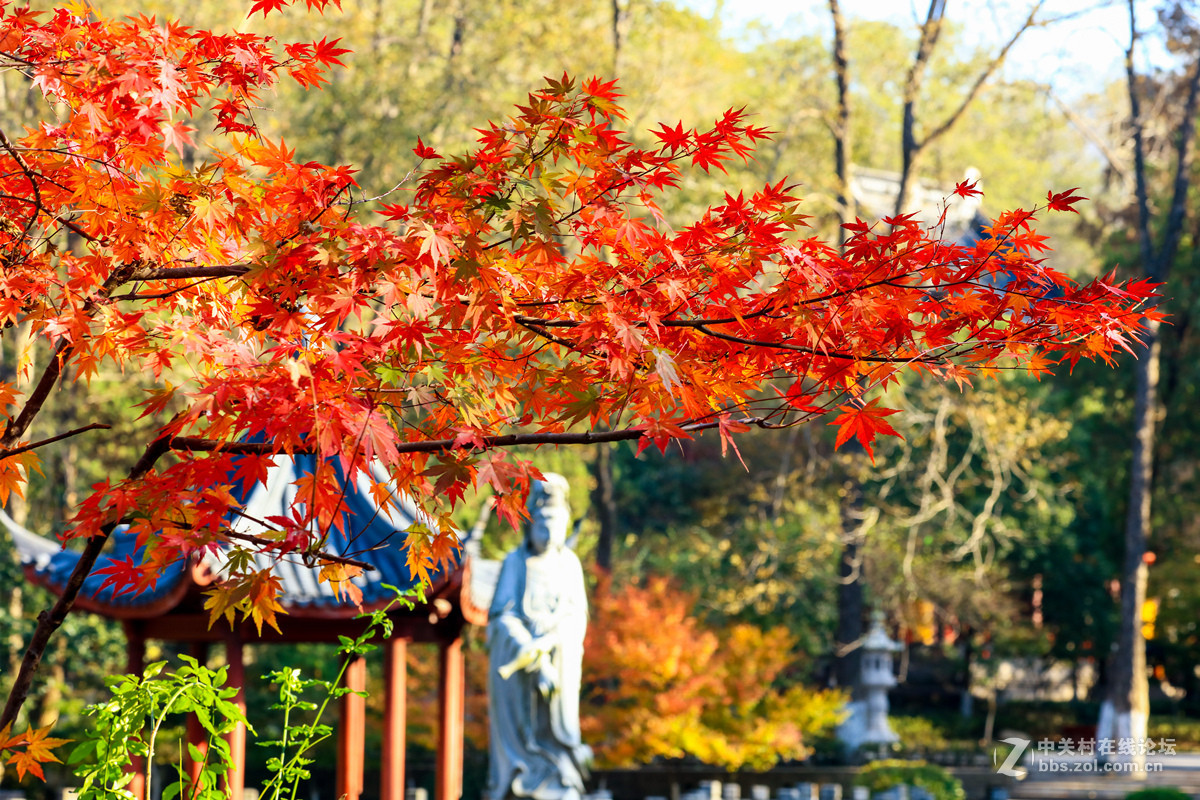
[340, 578]
[39, 749]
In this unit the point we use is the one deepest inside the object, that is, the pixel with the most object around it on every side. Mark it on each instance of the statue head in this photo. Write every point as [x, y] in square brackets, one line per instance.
[549, 513]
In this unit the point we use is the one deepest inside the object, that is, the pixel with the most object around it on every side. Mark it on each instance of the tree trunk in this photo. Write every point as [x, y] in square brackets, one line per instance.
[911, 147]
[620, 31]
[849, 632]
[606, 507]
[1130, 694]
[1127, 706]
[847, 655]
[841, 126]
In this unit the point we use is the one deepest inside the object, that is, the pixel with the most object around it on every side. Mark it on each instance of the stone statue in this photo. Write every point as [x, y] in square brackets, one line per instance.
[536, 625]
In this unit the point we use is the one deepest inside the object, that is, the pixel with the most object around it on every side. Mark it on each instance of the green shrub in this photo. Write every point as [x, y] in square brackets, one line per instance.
[1185, 732]
[918, 733]
[1158, 793]
[880, 775]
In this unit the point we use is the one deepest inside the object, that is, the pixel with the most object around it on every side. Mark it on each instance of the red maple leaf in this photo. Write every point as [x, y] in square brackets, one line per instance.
[863, 421]
[267, 6]
[327, 52]
[1063, 201]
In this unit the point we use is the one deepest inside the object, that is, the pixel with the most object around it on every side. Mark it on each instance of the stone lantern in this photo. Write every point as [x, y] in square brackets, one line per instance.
[868, 723]
[877, 678]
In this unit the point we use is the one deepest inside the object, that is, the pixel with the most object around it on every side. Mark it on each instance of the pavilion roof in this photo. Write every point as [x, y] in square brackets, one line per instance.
[369, 533]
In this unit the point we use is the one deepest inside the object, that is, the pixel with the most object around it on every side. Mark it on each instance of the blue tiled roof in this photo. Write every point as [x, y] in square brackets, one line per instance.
[369, 533]
[51, 566]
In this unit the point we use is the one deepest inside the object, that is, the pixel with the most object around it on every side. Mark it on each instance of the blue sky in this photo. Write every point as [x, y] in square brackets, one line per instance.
[1078, 54]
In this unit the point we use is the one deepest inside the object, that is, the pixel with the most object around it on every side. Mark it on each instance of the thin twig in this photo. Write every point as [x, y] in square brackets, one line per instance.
[95, 426]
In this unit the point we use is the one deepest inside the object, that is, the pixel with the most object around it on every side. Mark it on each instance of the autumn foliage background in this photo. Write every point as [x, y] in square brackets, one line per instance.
[562, 279]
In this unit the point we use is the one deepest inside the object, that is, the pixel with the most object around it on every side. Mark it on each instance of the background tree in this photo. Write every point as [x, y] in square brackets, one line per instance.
[1128, 693]
[659, 684]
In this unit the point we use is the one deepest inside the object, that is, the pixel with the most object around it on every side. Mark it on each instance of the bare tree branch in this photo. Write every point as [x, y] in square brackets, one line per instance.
[50, 621]
[910, 146]
[95, 426]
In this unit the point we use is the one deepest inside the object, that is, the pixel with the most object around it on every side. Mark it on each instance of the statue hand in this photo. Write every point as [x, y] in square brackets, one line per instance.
[529, 658]
[545, 682]
[524, 659]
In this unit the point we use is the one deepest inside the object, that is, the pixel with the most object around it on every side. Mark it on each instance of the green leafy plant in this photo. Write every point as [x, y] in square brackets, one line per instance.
[880, 775]
[1158, 793]
[290, 767]
[127, 726]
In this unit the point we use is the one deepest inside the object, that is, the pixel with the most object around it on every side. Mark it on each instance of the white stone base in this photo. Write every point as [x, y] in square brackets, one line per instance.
[859, 729]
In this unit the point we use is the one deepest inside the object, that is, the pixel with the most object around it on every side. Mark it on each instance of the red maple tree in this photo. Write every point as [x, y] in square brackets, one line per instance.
[659, 683]
[529, 291]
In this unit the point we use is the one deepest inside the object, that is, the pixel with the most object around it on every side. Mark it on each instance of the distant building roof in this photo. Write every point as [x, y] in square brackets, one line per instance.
[874, 192]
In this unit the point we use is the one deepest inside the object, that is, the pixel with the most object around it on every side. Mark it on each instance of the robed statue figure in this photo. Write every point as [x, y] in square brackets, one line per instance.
[535, 635]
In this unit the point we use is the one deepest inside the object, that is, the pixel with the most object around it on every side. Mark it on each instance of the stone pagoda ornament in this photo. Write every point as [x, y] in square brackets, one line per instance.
[868, 723]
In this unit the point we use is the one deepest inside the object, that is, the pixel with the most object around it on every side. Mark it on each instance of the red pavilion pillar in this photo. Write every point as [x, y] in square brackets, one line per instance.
[352, 731]
[235, 781]
[395, 699]
[135, 663]
[451, 693]
[197, 737]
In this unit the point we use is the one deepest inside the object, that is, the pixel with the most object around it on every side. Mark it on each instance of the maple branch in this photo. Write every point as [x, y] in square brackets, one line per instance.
[771, 307]
[533, 324]
[37, 398]
[36, 201]
[184, 273]
[813, 351]
[62, 351]
[30, 175]
[196, 444]
[51, 620]
[537, 328]
[401, 182]
[62, 221]
[35, 445]
[162, 295]
[250, 538]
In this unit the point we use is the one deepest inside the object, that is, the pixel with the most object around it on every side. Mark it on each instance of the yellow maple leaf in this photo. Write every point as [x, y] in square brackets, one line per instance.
[340, 578]
[223, 601]
[416, 553]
